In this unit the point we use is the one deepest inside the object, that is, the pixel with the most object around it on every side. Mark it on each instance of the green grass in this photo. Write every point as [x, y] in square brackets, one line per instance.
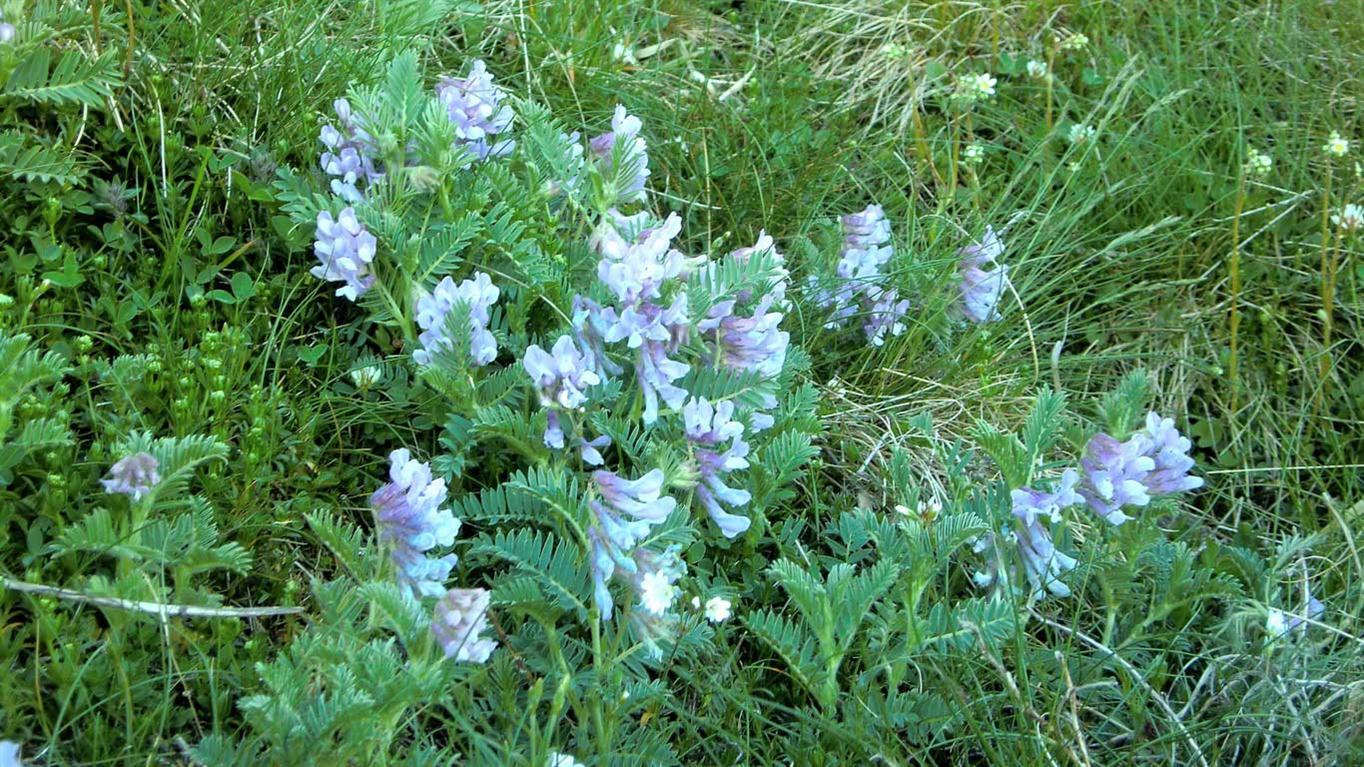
[1123, 261]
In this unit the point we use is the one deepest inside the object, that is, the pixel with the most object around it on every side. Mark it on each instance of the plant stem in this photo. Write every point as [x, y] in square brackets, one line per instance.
[1327, 299]
[1234, 319]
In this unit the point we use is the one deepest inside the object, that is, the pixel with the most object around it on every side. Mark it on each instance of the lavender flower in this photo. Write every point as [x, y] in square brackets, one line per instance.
[560, 377]
[981, 289]
[866, 247]
[1030, 504]
[622, 518]
[1169, 451]
[860, 286]
[590, 324]
[885, 316]
[409, 519]
[351, 156]
[1312, 610]
[1042, 563]
[623, 144]
[635, 270]
[840, 302]
[1114, 476]
[9, 750]
[477, 297]
[460, 620]
[707, 428]
[346, 250]
[591, 449]
[133, 476]
[1279, 623]
[475, 107]
[656, 333]
[1153, 462]
[6, 37]
[554, 431]
[746, 343]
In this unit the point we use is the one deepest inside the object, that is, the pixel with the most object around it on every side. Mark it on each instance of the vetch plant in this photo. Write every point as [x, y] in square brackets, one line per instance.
[983, 278]
[859, 288]
[613, 413]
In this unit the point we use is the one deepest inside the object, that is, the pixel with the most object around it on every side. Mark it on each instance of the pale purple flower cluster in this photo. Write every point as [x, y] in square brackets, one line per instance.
[1152, 462]
[561, 378]
[9, 750]
[460, 620]
[982, 288]
[624, 144]
[133, 476]
[635, 271]
[753, 343]
[475, 107]
[751, 340]
[623, 516]
[410, 522]
[345, 249]
[1042, 563]
[1169, 451]
[860, 288]
[636, 261]
[476, 297]
[589, 329]
[885, 316]
[352, 158]
[707, 428]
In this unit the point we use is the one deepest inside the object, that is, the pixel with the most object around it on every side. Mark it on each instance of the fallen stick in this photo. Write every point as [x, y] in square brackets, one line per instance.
[164, 611]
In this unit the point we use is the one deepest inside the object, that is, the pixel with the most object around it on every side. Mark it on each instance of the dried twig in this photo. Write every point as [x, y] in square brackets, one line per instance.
[155, 608]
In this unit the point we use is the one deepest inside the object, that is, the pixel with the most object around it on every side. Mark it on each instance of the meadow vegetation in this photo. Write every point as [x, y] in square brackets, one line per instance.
[575, 382]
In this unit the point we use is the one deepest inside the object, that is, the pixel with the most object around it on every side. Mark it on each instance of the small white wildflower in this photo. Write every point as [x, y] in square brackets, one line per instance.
[1074, 166]
[1276, 623]
[1258, 164]
[656, 592]
[1037, 70]
[366, 377]
[976, 87]
[717, 609]
[557, 759]
[902, 509]
[1081, 133]
[1076, 41]
[973, 154]
[893, 51]
[1350, 218]
[1336, 145]
[935, 506]
[625, 55]
[624, 694]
